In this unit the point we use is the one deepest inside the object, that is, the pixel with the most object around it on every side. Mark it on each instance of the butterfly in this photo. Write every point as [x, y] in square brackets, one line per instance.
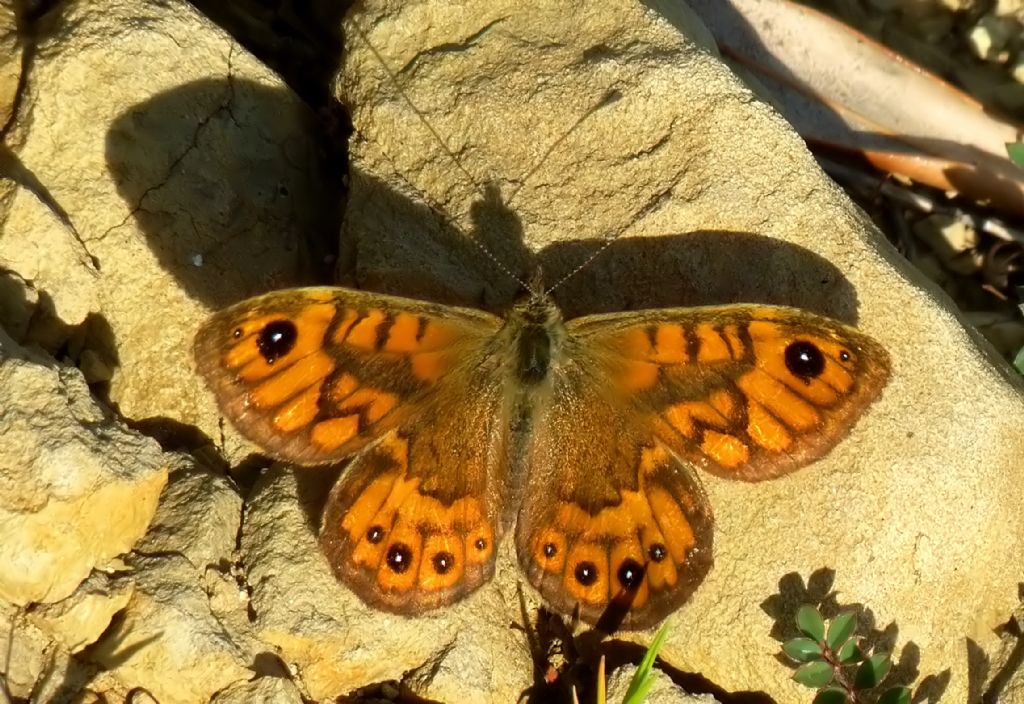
[577, 437]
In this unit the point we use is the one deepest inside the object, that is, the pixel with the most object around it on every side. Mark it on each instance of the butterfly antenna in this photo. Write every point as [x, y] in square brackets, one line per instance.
[498, 264]
[612, 96]
[584, 264]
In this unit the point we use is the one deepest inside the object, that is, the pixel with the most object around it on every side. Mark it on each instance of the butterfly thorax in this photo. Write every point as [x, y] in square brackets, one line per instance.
[537, 333]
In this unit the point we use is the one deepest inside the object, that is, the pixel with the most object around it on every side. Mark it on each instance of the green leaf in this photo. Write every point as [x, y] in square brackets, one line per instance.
[832, 695]
[1018, 361]
[872, 671]
[1015, 150]
[814, 674]
[841, 628]
[642, 678]
[896, 695]
[849, 652]
[808, 620]
[802, 649]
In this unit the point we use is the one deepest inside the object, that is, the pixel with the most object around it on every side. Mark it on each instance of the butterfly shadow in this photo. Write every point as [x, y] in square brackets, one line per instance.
[237, 187]
[411, 249]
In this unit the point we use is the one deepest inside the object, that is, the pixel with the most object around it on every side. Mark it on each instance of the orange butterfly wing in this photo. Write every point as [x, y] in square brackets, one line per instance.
[318, 375]
[312, 375]
[615, 521]
[744, 392]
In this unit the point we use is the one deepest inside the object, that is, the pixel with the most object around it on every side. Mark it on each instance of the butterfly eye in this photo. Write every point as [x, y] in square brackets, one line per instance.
[399, 557]
[277, 339]
[804, 359]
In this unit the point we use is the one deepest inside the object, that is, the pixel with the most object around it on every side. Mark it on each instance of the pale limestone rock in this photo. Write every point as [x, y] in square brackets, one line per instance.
[80, 619]
[198, 518]
[919, 512]
[188, 171]
[662, 691]
[954, 241]
[265, 690]
[18, 301]
[41, 247]
[167, 641]
[10, 60]
[25, 651]
[337, 644]
[1009, 8]
[76, 487]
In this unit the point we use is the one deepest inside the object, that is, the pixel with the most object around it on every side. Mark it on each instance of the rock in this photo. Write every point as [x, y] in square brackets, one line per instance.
[10, 61]
[954, 241]
[191, 178]
[43, 248]
[79, 620]
[917, 512]
[265, 690]
[167, 641]
[988, 38]
[77, 488]
[198, 517]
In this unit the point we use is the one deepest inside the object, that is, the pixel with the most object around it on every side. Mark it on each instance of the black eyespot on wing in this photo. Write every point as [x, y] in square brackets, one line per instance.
[630, 574]
[586, 573]
[375, 534]
[443, 562]
[804, 359]
[399, 558]
[277, 339]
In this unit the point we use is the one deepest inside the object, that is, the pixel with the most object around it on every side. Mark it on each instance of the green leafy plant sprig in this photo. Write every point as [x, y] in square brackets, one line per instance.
[832, 660]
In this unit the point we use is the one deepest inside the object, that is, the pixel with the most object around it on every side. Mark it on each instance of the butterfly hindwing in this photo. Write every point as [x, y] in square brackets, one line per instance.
[414, 521]
[612, 520]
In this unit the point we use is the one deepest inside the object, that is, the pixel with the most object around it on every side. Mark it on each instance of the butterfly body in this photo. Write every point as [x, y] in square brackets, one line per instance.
[577, 437]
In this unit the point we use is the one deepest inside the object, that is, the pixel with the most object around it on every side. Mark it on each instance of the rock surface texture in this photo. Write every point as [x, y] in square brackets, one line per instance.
[157, 171]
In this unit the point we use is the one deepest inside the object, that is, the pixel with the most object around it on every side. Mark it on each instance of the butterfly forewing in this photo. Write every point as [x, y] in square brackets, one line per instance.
[746, 392]
[312, 375]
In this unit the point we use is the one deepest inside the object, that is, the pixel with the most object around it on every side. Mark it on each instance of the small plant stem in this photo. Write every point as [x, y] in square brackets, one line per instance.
[839, 675]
